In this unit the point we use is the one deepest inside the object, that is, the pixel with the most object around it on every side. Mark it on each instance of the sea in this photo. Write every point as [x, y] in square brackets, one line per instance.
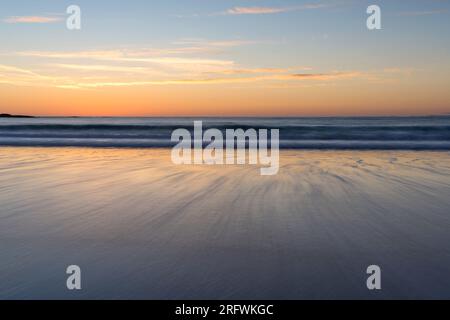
[334, 133]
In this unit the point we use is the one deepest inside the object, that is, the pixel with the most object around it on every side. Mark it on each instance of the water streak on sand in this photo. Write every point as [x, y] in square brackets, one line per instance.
[141, 227]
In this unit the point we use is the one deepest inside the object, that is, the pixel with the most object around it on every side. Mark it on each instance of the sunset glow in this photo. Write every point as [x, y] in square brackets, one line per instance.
[168, 59]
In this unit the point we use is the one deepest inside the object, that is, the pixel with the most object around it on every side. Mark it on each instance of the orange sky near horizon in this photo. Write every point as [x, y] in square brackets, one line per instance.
[313, 99]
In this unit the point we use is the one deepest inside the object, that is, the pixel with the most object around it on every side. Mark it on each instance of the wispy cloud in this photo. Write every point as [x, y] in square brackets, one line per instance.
[327, 76]
[188, 58]
[204, 43]
[255, 10]
[276, 78]
[239, 71]
[261, 10]
[32, 19]
[271, 10]
[124, 56]
[137, 66]
[105, 68]
[129, 77]
[422, 13]
[24, 77]
[182, 47]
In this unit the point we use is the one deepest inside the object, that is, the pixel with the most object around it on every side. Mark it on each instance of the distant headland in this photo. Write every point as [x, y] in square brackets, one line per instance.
[7, 115]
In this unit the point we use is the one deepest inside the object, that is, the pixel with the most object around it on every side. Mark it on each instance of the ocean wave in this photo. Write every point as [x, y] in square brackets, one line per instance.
[301, 133]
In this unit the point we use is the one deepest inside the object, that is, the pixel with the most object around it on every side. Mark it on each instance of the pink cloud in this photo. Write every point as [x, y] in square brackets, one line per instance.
[32, 19]
[271, 10]
[255, 10]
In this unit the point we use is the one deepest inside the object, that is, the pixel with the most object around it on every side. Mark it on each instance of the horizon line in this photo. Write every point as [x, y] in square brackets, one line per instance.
[230, 116]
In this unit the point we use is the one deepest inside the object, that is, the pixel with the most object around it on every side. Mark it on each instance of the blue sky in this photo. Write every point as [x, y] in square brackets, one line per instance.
[311, 34]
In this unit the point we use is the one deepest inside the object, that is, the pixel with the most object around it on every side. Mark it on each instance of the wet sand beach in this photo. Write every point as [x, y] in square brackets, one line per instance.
[142, 227]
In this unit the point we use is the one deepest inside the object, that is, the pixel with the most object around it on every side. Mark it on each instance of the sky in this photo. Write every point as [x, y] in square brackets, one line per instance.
[224, 58]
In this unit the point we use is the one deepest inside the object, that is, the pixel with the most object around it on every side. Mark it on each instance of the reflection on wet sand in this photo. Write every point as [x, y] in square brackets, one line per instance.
[142, 227]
